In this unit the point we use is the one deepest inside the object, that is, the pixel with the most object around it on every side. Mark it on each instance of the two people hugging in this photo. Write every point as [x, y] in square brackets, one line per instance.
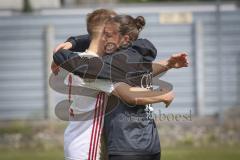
[110, 74]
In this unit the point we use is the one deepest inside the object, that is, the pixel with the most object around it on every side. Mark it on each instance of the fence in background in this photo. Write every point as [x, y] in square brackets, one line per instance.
[211, 81]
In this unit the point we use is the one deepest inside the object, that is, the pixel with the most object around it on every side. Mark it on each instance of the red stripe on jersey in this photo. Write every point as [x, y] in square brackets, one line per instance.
[96, 128]
[69, 87]
[94, 121]
[101, 123]
[69, 94]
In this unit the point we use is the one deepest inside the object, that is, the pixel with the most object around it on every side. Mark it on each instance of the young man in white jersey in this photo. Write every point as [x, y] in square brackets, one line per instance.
[81, 138]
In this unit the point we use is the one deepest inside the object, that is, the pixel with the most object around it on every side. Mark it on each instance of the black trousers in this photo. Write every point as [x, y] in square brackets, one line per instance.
[137, 157]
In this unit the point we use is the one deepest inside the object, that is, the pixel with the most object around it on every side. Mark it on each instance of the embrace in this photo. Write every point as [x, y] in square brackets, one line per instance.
[110, 74]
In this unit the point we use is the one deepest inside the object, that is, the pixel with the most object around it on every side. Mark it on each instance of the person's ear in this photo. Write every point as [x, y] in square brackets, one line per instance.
[126, 39]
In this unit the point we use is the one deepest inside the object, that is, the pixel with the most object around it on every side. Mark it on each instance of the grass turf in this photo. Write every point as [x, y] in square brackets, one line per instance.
[185, 153]
[221, 153]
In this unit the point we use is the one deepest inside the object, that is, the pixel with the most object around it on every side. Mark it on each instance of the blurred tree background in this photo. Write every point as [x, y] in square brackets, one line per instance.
[147, 1]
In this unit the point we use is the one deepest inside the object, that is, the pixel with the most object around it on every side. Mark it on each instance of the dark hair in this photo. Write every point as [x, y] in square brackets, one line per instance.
[98, 18]
[128, 25]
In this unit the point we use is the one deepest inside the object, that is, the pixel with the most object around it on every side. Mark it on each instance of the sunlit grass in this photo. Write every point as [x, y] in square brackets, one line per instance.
[31, 155]
[207, 153]
[184, 153]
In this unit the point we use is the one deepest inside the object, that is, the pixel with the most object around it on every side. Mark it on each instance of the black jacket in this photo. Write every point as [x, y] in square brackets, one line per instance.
[126, 65]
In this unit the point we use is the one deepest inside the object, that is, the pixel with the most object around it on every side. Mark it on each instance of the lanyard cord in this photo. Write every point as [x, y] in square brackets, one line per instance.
[148, 85]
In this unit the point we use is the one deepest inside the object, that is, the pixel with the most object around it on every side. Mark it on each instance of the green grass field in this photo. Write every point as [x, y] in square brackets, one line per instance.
[167, 154]
[201, 154]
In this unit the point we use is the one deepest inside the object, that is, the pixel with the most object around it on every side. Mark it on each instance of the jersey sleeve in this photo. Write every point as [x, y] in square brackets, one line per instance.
[100, 84]
[79, 43]
[79, 65]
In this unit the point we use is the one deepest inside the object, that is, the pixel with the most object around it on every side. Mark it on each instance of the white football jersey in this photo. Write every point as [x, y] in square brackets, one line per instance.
[82, 135]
